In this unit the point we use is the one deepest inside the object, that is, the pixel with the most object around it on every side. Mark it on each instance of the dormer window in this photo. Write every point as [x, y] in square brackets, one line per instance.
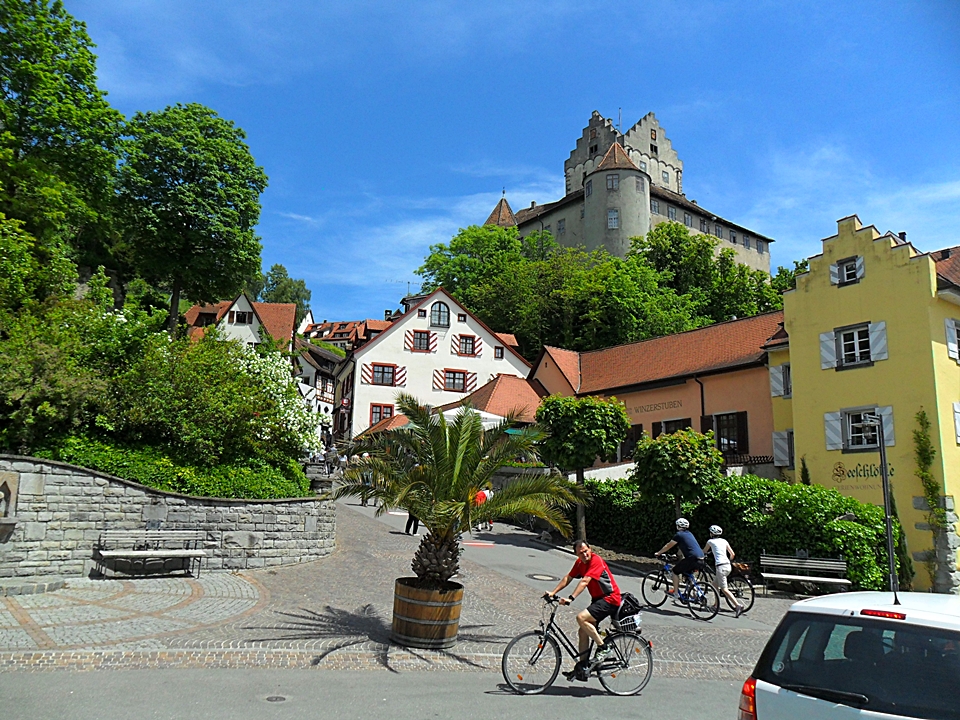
[240, 317]
[440, 314]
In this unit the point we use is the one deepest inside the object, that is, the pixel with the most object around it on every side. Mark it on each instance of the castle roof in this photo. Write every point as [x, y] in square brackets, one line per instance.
[616, 159]
[502, 215]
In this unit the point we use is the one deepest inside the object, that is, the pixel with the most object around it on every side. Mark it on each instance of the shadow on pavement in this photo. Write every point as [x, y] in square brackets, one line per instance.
[554, 690]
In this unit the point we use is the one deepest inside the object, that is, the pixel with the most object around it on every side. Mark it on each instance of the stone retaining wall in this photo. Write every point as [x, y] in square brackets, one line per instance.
[55, 513]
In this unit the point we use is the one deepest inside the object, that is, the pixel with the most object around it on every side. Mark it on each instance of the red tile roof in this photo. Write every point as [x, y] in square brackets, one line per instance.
[218, 309]
[722, 346]
[617, 159]
[503, 395]
[502, 215]
[508, 339]
[568, 362]
[948, 264]
[389, 423]
[279, 319]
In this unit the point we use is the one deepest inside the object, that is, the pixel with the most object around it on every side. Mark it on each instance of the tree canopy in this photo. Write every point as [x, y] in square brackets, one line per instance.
[276, 286]
[191, 192]
[670, 281]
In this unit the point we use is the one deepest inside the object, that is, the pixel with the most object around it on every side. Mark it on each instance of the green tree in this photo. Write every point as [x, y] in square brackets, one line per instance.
[191, 190]
[786, 279]
[279, 287]
[680, 465]
[58, 134]
[580, 430]
[30, 271]
[433, 468]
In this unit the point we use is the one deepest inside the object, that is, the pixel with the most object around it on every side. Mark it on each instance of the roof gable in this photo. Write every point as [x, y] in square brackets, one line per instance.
[503, 395]
[616, 158]
[502, 215]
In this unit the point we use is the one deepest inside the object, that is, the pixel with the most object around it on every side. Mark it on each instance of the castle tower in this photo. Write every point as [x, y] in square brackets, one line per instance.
[616, 202]
[650, 149]
[502, 215]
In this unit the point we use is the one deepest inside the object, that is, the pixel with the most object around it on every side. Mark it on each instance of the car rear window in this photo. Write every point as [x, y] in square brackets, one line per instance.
[879, 665]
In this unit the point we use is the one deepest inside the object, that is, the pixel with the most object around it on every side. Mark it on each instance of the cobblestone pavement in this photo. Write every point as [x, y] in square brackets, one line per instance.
[330, 613]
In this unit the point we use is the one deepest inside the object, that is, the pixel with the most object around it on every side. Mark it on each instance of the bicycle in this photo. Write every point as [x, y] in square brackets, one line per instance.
[700, 598]
[531, 661]
[738, 583]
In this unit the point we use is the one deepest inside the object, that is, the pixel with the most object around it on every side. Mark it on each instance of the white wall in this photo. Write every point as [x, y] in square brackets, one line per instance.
[390, 348]
[247, 334]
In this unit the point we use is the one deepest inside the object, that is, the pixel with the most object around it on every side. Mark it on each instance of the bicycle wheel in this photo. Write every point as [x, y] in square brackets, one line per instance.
[627, 669]
[742, 590]
[702, 601]
[654, 588]
[531, 662]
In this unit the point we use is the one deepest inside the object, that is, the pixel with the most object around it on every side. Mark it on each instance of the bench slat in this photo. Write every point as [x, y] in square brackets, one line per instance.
[813, 563]
[152, 553]
[806, 578]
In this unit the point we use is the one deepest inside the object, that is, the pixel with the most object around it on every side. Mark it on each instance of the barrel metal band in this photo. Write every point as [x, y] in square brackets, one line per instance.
[418, 621]
[429, 603]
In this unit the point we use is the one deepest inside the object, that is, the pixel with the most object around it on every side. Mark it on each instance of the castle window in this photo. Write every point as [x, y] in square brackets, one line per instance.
[643, 166]
[688, 219]
[653, 134]
[746, 242]
[640, 185]
[655, 206]
[718, 231]
[588, 188]
[593, 133]
[703, 225]
[613, 181]
[666, 176]
[593, 149]
[761, 248]
[613, 219]
[653, 149]
[671, 213]
[733, 238]
[561, 226]
[440, 314]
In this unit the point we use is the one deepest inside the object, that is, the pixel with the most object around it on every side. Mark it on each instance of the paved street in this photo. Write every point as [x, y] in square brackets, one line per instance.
[335, 614]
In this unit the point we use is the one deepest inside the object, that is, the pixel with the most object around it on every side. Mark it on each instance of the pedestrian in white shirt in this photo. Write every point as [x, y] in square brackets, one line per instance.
[722, 555]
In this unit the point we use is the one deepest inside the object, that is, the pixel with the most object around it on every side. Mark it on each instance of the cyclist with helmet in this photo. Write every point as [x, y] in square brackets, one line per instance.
[722, 555]
[692, 554]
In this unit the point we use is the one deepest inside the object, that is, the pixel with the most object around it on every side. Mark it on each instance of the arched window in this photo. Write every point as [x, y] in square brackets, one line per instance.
[440, 314]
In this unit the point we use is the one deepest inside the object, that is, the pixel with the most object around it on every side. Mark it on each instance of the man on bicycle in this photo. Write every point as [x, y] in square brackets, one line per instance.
[596, 577]
[692, 554]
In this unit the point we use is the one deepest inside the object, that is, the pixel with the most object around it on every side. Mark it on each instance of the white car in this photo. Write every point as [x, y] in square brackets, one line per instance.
[859, 655]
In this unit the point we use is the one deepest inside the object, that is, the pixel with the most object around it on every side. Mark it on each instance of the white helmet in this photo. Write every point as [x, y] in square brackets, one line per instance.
[683, 524]
[716, 531]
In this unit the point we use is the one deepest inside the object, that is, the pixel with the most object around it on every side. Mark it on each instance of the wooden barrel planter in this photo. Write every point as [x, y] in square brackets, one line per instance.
[426, 618]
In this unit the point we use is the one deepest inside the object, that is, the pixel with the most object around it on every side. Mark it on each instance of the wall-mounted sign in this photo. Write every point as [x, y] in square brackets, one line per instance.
[656, 407]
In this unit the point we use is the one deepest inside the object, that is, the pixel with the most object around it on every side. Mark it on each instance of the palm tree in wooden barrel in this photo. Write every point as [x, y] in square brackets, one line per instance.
[433, 468]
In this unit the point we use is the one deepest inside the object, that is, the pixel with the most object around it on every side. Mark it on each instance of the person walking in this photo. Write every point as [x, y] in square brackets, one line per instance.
[412, 522]
[722, 555]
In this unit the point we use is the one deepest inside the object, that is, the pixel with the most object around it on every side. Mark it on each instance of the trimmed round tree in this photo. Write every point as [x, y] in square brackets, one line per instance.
[580, 430]
[678, 465]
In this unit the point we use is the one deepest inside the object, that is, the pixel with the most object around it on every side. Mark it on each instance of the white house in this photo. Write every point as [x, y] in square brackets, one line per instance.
[244, 320]
[437, 351]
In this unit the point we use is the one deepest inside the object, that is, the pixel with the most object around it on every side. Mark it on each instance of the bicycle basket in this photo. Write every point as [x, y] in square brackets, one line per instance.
[630, 623]
[742, 567]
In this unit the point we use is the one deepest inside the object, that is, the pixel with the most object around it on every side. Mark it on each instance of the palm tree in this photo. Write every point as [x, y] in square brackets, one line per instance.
[433, 468]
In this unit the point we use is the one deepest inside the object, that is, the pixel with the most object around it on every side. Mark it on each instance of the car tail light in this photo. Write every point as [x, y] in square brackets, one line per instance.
[748, 700]
[889, 614]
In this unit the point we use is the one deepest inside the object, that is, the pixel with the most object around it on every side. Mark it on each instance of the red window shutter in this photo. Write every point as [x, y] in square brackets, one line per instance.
[366, 374]
[454, 344]
[478, 346]
[471, 382]
[434, 340]
[400, 377]
[408, 341]
[438, 379]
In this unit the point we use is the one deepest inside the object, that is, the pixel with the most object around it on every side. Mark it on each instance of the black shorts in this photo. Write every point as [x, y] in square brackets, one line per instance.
[600, 609]
[688, 565]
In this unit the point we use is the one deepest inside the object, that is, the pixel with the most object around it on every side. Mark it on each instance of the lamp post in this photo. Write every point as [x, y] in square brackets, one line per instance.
[876, 421]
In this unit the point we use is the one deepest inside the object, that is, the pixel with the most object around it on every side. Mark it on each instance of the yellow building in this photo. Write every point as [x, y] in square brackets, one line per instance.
[872, 328]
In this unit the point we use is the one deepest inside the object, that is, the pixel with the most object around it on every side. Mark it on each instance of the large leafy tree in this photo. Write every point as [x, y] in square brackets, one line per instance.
[191, 190]
[680, 465]
[580, 430]
[276, 286]
[58, 134]
[434, 468]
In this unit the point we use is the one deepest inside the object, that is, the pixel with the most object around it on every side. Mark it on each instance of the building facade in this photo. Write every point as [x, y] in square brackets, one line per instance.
[619, 186]
[711, 379]
[871, 330]
[246, 321]
[437, 351]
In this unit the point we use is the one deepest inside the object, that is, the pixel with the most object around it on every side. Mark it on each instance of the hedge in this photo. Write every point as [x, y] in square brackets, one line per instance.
[151, 467]
[801, 517]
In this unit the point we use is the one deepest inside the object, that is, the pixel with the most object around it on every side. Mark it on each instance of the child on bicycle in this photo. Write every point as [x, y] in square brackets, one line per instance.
[722, 555]
[692, 555]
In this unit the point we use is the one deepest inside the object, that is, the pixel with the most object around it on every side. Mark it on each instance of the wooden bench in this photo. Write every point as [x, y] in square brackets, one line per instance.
[146, 545]
[817, 571]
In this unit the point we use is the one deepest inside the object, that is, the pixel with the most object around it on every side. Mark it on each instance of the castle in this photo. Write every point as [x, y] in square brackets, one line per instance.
[619, 186]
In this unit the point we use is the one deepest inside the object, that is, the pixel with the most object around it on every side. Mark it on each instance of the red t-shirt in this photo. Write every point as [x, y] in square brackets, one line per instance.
[602, 584]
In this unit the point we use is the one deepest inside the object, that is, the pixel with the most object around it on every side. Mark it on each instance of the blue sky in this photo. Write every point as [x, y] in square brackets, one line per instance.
[385, 127]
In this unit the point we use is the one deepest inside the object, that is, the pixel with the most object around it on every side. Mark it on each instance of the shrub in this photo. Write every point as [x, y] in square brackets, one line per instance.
[679, 465]
[799, 517]
[151, 467]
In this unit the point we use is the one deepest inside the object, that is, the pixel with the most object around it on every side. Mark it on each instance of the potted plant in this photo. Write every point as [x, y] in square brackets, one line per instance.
[433, 468]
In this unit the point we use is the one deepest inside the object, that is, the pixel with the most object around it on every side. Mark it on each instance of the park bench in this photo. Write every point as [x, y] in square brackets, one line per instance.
[143, 546]
[816, 571]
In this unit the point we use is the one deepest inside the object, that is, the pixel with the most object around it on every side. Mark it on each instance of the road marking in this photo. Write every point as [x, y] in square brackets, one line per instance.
[479, 544]
[395, 512]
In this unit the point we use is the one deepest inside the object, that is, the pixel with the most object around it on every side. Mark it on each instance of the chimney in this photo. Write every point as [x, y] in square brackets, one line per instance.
[387, 314]
[533, 203]
[944, 254]
[902, 236]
